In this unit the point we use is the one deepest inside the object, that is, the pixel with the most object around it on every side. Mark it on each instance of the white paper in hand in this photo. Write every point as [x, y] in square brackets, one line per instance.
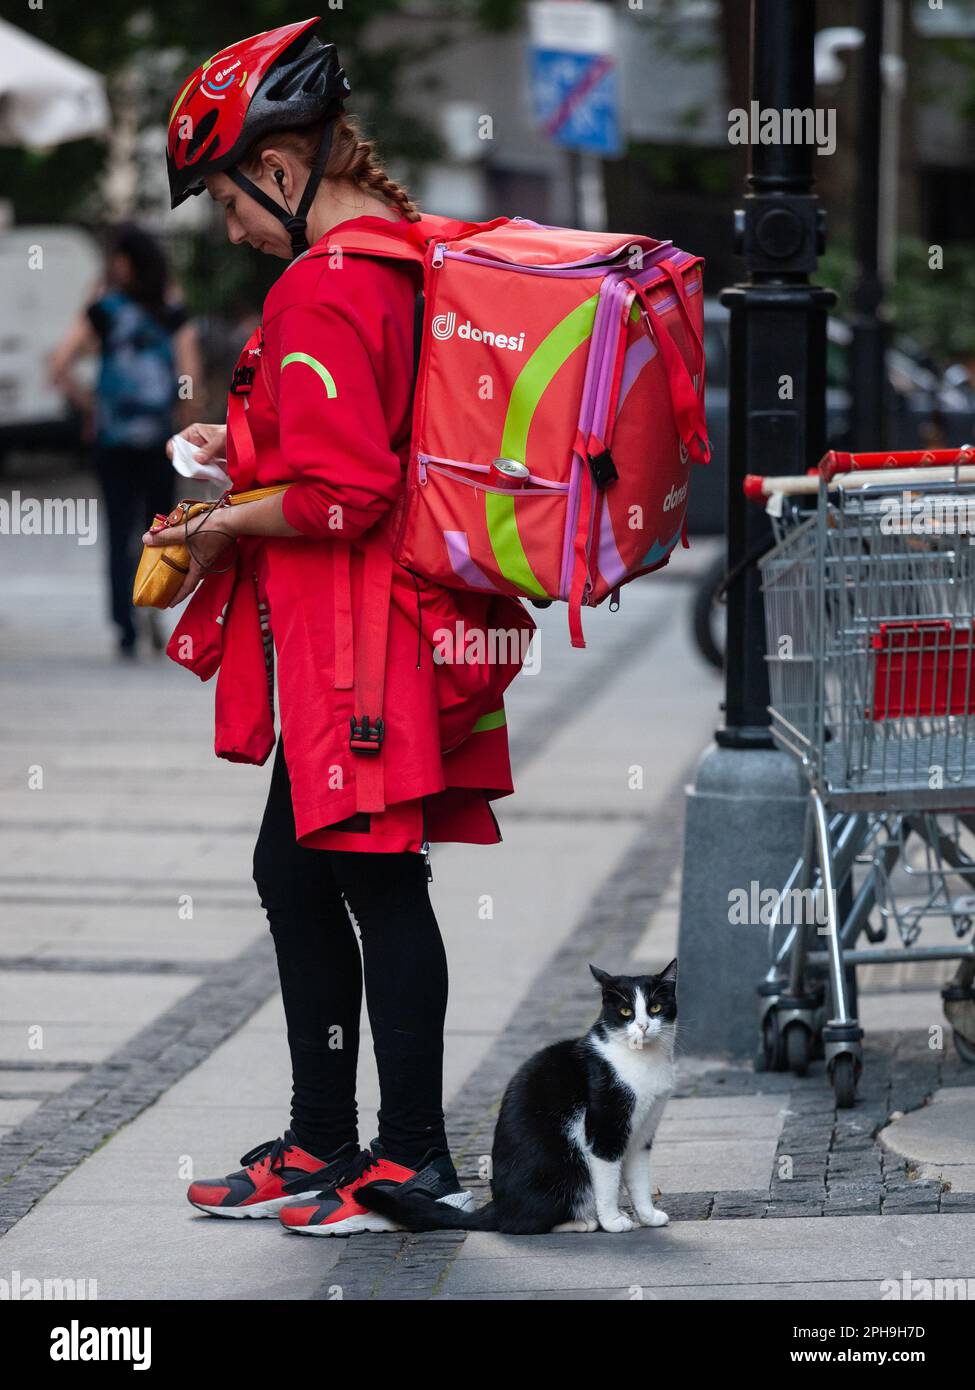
[186, 465]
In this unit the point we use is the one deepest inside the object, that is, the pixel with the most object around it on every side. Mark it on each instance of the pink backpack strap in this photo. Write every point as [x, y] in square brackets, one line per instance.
[586, 448]
[580, 571]
[688, 408]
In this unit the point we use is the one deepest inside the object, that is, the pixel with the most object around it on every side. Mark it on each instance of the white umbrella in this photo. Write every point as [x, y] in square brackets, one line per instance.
[45, 97]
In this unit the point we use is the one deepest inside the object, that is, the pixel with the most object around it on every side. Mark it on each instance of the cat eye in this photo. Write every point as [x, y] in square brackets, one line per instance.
[656, 1008]
[626, 1013]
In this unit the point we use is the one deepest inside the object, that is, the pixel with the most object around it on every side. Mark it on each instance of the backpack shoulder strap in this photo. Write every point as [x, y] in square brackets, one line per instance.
[417, 339]
[401, 240]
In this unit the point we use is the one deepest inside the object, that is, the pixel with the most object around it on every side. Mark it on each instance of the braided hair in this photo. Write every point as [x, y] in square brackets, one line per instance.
[351, 156]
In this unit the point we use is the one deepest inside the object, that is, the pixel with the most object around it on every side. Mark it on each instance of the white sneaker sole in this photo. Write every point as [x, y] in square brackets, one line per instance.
[257, 1209]
[372, 1221]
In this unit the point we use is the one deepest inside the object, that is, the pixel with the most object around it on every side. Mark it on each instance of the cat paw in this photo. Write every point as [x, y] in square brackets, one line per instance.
[581, 1226]
[653, 1217]
[618, 1221]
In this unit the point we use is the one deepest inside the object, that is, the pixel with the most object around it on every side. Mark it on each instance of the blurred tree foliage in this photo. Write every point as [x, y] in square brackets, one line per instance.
[688, 167]
[928, 308]
[959, 91]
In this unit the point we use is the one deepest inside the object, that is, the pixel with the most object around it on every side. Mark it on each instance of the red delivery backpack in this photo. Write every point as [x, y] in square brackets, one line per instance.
[559, 402]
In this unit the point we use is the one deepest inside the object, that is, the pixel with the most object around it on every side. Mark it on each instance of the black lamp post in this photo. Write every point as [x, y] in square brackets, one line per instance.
[867, 375]
[777, 395]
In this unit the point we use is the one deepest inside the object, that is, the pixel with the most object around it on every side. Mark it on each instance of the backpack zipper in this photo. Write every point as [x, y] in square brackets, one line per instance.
[580, 267]
[560, 491]
[414, 468]
[425, 846]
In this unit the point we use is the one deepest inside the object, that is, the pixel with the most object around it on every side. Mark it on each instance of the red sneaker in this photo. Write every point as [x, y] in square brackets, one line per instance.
[334, 1211]
[258, 1188]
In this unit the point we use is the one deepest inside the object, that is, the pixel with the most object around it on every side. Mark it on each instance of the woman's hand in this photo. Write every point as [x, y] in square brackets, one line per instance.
[207, 537]
[212, 532]
[210, 441]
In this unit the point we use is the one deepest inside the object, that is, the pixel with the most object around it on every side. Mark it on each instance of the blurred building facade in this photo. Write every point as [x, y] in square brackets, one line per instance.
[683, 67]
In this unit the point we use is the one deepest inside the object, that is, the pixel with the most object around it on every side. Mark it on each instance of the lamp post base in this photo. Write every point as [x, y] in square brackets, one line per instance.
[744, 821]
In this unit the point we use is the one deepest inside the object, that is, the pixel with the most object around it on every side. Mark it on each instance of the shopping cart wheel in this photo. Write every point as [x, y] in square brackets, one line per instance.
[798, 1048]
[772, 1054]
[964, 1048]
[843, 1073]
[852, 1003]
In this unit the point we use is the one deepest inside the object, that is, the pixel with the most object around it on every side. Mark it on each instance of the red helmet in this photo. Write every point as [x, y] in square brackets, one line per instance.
[279, 80]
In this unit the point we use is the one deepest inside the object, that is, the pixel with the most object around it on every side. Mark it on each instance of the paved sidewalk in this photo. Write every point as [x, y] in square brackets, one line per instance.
[142, 1039]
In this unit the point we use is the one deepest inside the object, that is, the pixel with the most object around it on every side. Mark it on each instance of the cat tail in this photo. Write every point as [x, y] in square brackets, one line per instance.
[415, 1212]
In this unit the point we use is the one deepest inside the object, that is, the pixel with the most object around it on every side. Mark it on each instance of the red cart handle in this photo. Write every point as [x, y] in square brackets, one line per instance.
[836, 462]
[758, 487]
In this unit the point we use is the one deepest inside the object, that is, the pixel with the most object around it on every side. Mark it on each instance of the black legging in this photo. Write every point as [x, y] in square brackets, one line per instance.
[135, 484]
[321, 982]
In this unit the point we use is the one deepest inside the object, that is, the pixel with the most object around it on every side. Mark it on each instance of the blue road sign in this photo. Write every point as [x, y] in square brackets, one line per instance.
[576, 100]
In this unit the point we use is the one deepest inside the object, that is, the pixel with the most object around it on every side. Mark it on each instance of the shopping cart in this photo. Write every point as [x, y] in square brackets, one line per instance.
[870, 623]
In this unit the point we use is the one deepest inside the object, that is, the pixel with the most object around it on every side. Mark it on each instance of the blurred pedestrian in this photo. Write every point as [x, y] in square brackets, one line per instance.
[147, 346]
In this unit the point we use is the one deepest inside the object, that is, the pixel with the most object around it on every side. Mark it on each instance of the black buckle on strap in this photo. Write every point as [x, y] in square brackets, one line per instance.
[602, 468]
[366, 736]
[242, 381]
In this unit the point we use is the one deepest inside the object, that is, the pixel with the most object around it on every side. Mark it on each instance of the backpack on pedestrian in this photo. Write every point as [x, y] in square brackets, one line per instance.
[558, 407]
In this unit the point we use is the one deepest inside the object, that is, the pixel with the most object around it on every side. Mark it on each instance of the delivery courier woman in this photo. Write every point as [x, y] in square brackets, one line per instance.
[302, 577]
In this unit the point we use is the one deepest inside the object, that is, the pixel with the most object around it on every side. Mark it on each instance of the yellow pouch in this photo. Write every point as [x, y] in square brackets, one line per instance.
[162, 569]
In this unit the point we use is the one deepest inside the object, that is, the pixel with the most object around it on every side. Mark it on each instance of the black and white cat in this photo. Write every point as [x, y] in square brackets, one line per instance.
[576, 1125]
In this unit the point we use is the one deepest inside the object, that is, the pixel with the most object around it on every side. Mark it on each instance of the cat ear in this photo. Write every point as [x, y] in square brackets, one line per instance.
[669, 975]
[600, 976]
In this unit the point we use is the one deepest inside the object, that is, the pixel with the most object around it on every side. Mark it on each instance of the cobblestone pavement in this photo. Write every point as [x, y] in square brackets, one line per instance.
[71, 1124]
[827, 1162]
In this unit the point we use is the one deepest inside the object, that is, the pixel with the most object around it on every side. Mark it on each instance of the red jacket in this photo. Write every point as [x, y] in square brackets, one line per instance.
[329, 413]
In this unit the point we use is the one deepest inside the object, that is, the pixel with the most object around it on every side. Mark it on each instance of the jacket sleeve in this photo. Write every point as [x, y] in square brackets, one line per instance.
[334, 437]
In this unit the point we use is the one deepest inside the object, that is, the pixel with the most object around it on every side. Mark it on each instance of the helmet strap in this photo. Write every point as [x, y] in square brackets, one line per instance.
[295, 224]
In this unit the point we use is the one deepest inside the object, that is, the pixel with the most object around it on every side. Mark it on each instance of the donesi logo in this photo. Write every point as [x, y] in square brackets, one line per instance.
[217, 81]
[674, 498]
[444, 326]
